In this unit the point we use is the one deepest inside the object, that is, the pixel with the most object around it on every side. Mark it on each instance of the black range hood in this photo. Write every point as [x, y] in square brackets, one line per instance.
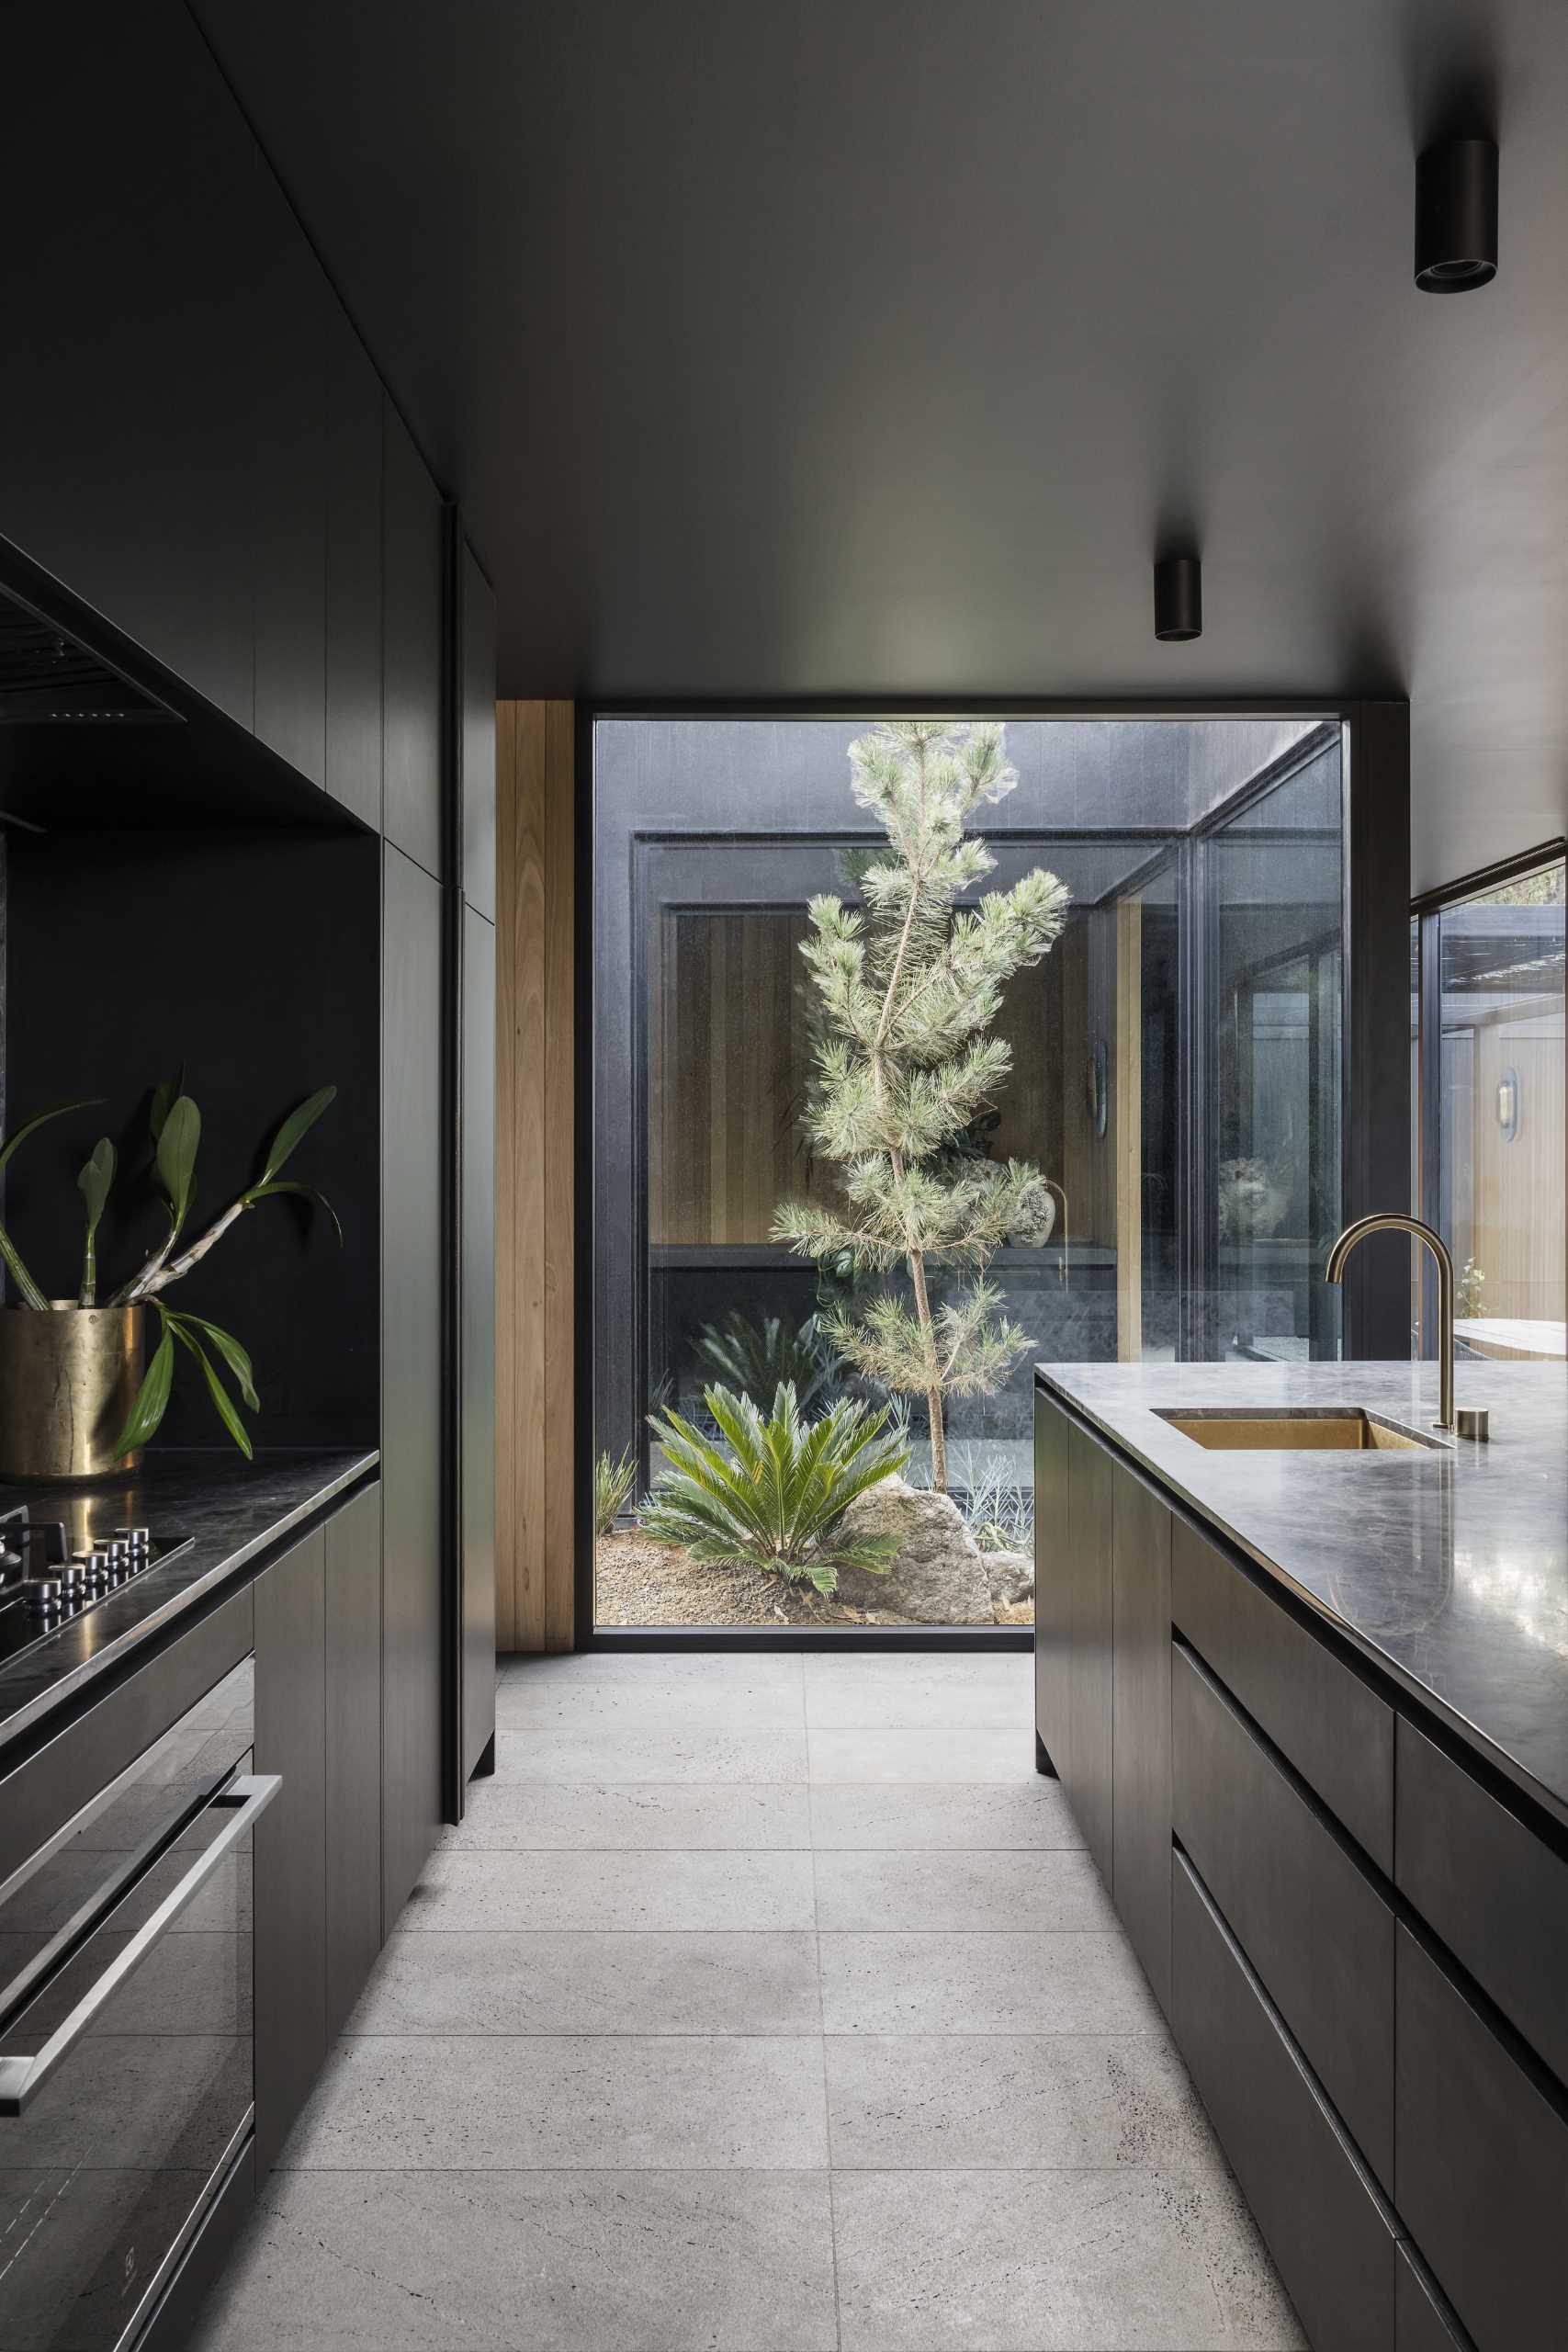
[48, 678]
[95, 735]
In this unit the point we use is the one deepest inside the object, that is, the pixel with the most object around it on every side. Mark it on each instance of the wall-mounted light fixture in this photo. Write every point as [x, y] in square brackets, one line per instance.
[1508, 1105]
[1178, 598]
[1456, 216]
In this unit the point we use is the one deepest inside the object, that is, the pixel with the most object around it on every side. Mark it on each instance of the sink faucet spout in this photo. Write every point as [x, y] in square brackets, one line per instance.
[1392, 1221]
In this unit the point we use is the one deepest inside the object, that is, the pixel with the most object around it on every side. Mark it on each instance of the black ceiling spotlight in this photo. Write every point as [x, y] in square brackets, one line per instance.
[1456, 216]
[1178, 598]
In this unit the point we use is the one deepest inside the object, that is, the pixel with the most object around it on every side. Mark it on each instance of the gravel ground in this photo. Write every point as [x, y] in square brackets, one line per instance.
[640, 1583]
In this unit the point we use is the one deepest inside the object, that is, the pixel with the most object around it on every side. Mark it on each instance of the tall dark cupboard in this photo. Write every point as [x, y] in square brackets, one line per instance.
[413, 567]
[476, 1499]
[411, 1238]
[352, 1757]
[353, 582]
[137, 376]
[290, 1857]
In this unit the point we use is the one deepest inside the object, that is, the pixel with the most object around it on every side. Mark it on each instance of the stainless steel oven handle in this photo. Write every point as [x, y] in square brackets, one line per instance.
[247, 1798]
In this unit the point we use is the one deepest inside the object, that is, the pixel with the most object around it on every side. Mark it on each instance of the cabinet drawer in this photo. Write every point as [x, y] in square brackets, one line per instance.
[1420, 2322]
[1481, 2165]
[1335, 1730]
[1319, 2214]
[1308, 1917]
[1494, 1891]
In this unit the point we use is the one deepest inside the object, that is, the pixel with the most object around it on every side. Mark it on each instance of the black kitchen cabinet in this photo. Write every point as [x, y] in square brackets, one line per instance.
[1074, 1626]
[412, 556]
[1141, 1723]
[290, 489]
[353, 1638]
[1327, 2230]
[1304, 1909]
[1422, 2320]
[475, 719]
[354, 585]
[1492, 1888]
[1324, 1718]
[291, 1841]
[1390, 2106]
[411, 1257]
[1053, 1585]
[129, 400]
[477, 1345]
[1481, 2161]
[1088, 1779]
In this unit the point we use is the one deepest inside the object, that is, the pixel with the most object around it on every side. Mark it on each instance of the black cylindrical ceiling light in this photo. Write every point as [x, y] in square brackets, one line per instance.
[1178, 598]
[1456, 216]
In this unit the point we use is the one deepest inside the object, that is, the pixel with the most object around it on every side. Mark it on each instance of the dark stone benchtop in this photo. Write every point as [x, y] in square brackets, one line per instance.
[1449, 1569]
[234, 1509]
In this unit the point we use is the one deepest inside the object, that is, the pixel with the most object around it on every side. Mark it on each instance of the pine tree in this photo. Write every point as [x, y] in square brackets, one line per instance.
[907, 991]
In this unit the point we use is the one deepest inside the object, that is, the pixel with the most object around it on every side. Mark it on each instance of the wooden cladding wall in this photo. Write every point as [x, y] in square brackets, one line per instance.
[729, 1062]
[534, 1257]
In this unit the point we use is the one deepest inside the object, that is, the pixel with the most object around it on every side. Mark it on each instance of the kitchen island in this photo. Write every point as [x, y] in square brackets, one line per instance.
[1302, 1663]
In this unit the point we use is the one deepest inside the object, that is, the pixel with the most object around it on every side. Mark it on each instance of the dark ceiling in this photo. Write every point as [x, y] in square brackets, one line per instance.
[857, 347]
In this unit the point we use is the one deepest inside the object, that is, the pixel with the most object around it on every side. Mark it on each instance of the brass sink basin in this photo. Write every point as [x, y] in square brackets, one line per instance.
[1315, 1429]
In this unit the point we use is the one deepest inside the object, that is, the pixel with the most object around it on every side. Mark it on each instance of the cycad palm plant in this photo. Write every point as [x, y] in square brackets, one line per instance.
[773, 1494]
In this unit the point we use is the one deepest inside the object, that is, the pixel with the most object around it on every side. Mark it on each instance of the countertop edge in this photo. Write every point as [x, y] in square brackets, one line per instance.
[1479, 1741]
[31, 1712]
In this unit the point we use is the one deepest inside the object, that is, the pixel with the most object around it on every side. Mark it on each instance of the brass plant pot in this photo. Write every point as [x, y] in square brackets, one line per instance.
[68, 1380]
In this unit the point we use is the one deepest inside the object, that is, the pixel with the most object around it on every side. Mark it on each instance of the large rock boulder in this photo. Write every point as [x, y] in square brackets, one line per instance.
[939, 1572]
[1010, 1575]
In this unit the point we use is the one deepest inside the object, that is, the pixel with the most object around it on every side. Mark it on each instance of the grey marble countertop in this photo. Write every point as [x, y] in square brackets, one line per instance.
[1449, 1570]
[232, 1508]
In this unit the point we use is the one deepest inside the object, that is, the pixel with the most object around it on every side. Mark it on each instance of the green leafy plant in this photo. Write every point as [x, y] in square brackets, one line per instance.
[174, 1131]
[773, 1492]
[612, 1482]
[908, 989]
[1471, 1285]
[756, 1359]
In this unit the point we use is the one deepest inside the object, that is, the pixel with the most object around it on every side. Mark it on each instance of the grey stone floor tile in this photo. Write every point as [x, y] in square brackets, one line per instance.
[411, 2103]
[462, 1889]
[1002, 1754]
[537, 1814]
[984, 1983]
[927, 1813]
[555, 2262]
[713, 1668]
[1014, 2101]
[961, 1891]
[569, 1983]
[755, 1692]
[919, 1693]
[666, 1752]
[1136, 2260]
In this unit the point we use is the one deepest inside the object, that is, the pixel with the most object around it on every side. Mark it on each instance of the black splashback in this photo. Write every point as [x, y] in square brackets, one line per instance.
[252, 959]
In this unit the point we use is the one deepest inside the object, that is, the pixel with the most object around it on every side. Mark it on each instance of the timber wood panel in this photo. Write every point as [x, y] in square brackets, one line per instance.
[1516, 1221]
[535, 1175]
[729, 1062]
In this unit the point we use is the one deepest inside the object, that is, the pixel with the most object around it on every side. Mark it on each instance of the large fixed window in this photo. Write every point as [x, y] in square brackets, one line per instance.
[1489, 968]
[1174, 1079]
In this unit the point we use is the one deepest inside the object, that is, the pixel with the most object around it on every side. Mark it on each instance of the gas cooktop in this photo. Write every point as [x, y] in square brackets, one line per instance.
[46, 1580]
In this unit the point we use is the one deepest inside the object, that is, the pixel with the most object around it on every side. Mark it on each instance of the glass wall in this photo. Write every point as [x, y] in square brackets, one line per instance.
[1171, 1086]
[1276, 886]
[1492, 1060]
